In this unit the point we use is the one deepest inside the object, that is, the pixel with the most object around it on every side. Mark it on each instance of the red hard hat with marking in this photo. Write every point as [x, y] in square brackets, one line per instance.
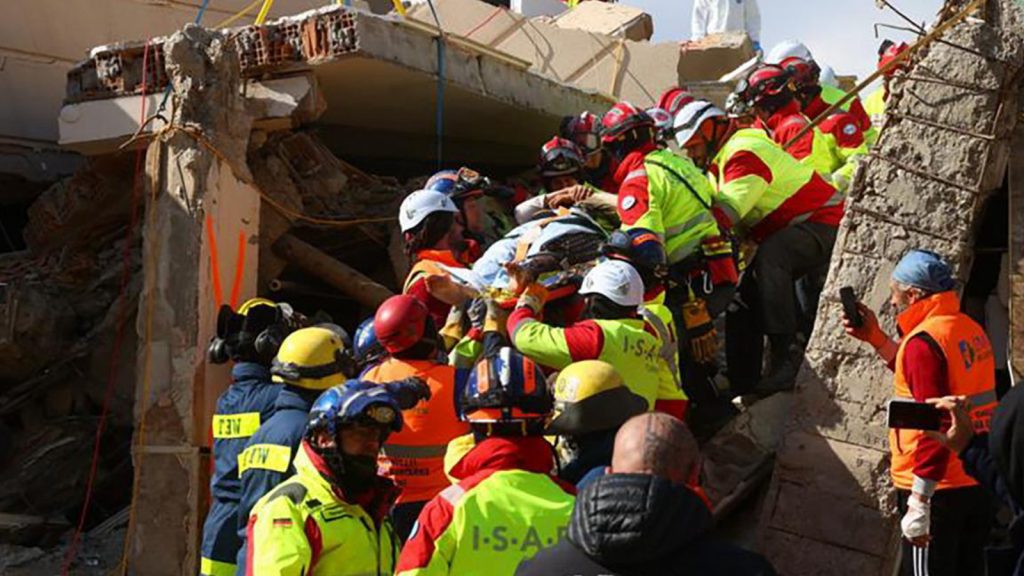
[803, 72]
[583, 131]
[764, 82]
[891, 53]
[400, 322]
[673, 100]
[560, 157]
[622, 118]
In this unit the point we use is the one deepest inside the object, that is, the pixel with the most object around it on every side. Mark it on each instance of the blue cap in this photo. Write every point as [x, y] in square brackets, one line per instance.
[925, 270]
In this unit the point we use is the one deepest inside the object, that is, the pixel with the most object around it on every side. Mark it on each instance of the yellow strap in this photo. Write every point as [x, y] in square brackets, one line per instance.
[208, 567]
[235, 425]
[399, 7]
[273, 457]
[264, 10]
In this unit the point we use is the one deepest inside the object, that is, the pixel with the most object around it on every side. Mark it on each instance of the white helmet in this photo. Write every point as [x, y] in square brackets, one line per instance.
[827, 76]
[689, 119]
[788, 49]
[617, 281]
[419, 205]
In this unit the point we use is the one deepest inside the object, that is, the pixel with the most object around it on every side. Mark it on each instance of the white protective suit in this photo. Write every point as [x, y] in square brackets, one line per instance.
[713, 16]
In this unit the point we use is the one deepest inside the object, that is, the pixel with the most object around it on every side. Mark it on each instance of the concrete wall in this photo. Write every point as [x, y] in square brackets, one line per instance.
[944, 147]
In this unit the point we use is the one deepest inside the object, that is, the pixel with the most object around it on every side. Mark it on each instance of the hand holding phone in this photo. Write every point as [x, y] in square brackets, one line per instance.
[912, 415]
[850, 307]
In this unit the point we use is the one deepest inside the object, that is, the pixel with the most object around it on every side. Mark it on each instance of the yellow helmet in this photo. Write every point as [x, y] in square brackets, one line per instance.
[590, 396]
[311, 358]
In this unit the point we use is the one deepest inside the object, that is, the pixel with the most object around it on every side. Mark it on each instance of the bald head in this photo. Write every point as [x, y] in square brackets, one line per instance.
[657, 444]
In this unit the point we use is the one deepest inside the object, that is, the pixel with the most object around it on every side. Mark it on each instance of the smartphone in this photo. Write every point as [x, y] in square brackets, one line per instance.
[913, 415]
[850, 307]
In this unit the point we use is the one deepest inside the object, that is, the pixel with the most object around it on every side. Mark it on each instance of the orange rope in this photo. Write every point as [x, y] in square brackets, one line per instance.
[218, 295]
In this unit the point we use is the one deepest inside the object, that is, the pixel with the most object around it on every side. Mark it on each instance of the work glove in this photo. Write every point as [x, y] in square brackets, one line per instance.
[534, 298]
[408, 392]
[916, 523]
[701, 331]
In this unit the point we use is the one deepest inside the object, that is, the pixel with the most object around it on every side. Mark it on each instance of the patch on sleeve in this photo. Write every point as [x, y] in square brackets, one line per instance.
[283, 522]
[628, 202]
[850, 129]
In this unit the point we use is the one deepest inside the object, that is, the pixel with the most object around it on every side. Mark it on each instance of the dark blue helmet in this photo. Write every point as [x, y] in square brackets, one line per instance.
[506, 387]
[368, 348]
[642, 248]
[354, 402]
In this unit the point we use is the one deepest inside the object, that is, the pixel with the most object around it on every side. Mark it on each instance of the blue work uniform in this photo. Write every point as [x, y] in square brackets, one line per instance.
[268, 456]
[241, 409]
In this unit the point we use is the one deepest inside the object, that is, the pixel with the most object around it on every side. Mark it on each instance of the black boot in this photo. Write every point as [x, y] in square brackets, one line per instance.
[786, 358]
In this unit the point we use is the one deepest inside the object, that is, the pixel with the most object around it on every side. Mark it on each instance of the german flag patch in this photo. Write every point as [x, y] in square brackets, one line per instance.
[283, 522]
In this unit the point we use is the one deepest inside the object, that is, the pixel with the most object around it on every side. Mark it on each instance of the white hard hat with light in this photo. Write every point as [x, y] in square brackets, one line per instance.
[617, 281]
[788, 49]
[420, 204]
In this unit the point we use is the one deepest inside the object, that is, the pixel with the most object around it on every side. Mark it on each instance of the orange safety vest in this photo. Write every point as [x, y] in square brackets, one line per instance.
[971, 369]
[414, 457]
[429, 263]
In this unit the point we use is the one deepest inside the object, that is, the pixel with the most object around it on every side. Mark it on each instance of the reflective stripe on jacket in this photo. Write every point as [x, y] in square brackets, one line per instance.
[305, 528]
[971, 369]
[414, 457]
[762, 189]
[240, 410]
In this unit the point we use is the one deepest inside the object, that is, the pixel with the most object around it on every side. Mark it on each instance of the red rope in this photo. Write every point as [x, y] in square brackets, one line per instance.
[122, 317]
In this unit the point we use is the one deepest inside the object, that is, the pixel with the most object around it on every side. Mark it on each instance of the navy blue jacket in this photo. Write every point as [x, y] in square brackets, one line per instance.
[268, 456]
[247, 403]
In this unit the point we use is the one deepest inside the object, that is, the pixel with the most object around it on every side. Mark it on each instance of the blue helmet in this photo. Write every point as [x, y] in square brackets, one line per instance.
[354, 402]
[368, 348]
[506, 387]
[642, 248]
[444, 182]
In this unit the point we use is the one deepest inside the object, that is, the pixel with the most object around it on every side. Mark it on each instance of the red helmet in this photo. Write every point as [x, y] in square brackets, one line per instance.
[400, 322]
[673, 100]
[583, 131]
[560, 157]
[764, 82]
[891, 53]
[622, 118]
[804, 73]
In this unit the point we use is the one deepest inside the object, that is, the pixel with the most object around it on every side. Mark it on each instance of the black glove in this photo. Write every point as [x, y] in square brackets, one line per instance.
[408, 392]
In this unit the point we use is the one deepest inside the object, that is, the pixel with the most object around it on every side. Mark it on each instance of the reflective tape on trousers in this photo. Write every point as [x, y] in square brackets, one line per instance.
[209, 567]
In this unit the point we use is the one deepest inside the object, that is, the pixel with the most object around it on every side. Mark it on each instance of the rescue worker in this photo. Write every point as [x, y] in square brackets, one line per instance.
[942, 351]
[330, 517]
[591, 402]
[768, 91]
[614, 332]
[250, 338]
[482, 214]
[434, 244]
[767, 198]
[506, 506]
[414, 457]
[716, 16]
[366, 347]
[668, 195]
[309, 361]
[643, 250]
[584, 132]
[875, 102]
[645, 516]
[561, 170]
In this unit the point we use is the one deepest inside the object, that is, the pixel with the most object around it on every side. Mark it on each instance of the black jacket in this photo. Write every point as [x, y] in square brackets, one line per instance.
[636, 524]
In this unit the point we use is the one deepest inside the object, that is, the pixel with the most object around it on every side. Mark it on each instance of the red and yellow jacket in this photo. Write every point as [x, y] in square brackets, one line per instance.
[430, 263]
[505, 508]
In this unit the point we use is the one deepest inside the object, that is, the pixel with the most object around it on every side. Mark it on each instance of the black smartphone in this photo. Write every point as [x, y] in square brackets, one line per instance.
[913, 415]
[850, 306]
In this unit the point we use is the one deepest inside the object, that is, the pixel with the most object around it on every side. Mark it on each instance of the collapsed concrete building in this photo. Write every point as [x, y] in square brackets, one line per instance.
[269, 160]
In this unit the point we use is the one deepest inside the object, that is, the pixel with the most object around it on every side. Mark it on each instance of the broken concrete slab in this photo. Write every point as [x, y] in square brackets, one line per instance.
[923, 187]
[609, 19]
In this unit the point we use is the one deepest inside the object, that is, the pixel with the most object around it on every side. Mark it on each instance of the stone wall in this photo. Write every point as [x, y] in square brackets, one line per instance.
[944, 147]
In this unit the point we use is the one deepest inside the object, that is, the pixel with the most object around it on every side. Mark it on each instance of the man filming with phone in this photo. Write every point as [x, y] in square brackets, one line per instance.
[941, 351]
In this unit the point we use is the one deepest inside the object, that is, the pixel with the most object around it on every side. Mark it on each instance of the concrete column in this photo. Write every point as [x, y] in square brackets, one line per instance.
[196, 174]
[831, 508]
